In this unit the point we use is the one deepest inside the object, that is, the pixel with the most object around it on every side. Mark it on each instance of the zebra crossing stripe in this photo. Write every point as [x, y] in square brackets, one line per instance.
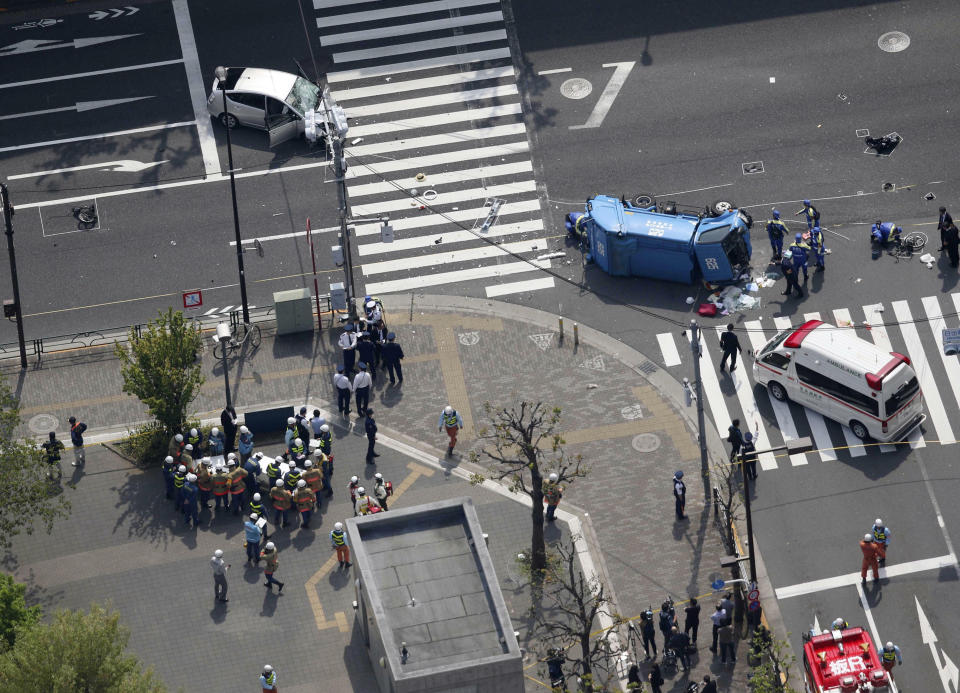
[519, 287]
[450, 177]
[937, 325]
[377, 90]
[448, 138]
[449, 238]
[448, 198]
[434, 100]
[420, 163]
[470, 216]
[487, 272]
[915, 349]
[452, 59]
[711, 387]
[421, 46]
[389, 12]
[393, 30]
[410, 124]
[668, 349]
[484, 252]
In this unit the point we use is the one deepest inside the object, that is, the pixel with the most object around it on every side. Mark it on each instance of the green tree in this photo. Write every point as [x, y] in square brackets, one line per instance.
[25, 491]
[160, 367]
[523, 445]
[78, 651]
[14, 612]
[776, 661]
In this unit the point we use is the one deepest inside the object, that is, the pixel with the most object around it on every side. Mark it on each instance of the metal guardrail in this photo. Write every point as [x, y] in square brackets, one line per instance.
[40, 346]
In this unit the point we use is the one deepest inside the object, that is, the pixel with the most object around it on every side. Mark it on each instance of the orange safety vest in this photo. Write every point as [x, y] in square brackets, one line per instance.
[313, 479]
[280, 498]
[236, 481]
[305, 499]
[220, 481]
[203, 479]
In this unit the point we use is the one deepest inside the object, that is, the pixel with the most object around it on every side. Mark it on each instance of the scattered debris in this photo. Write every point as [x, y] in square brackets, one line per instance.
[356, 140]
[551, 256]
[421, 177]
[592, 386]
[689, 300]
[927, 259]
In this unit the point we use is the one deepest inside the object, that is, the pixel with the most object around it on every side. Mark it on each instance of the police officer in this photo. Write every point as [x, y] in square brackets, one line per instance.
[378, 335]
[348, 345]
[256, 506]
[818, 248]
[749, 453]
[342, 384]
[730, 345]
[552, 493]
[883, 232]
[392, 355]
[274, 471]
[881, 535]
[169, 469]
[370, 427]
[799, 250]
[361, 388]
[735, 438]
[380, 490]
[943, 223]
[252, 468]
[679, 494]
[367, 354]
[776, 230]
[810, 213]
[786, 266]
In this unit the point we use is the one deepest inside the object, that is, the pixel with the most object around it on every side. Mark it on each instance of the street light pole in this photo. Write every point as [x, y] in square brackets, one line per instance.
[698, 385]
[223, 335]
[339, 172]
[221, 73]
[8, 223]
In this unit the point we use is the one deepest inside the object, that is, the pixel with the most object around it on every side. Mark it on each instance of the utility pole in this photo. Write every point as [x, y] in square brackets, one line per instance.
[335, 116]
[698, 385]
[18, 311]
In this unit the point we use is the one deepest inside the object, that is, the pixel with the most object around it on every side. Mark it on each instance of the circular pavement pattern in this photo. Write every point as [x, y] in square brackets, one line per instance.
[646, 442]
[893, 41]
[576, 88]
[43, 423]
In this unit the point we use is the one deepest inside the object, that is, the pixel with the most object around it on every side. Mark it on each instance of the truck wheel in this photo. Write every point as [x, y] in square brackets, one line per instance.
[643, 200]
[719, 207]
[777, 391]
[749, 221]
[859, 430]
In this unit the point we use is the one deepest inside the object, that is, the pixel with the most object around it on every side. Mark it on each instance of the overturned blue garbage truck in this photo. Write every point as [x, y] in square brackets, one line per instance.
[641, 238]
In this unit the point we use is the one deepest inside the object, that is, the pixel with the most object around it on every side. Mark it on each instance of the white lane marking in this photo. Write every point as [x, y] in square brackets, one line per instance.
[449, 238]
[461, 215]
[908, 329]
[937, 324]
[850, 579]
[409, 124]
[415, 65]
[424, 163]
[79, 107]
[555, 71]
[281, 236]
[815, 199]
[420, 46]
[392, 30]
[445, 198]
[441, 99]
[400, 11]
[668, 348]
[878, 332]
[94, 73]
[378, 90]
[519, 287]
[743, 386]
[447, 257]
[123, 166]
[871, 623]
[36, 45]
[435, 179]
[198, 94]
[448, 138]
[843, 319]
[711, 386]
[609, 95]
[682, 192]
[781, 410]
[102, 135]
[395, 285]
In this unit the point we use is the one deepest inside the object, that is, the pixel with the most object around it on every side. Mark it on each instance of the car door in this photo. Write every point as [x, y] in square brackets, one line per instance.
[248, 108]
[281, 122]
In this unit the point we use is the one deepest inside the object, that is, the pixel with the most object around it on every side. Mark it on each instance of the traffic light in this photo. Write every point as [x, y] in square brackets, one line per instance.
[334, 113]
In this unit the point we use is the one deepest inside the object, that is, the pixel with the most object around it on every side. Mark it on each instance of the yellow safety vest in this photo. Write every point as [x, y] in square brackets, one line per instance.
[450, 420]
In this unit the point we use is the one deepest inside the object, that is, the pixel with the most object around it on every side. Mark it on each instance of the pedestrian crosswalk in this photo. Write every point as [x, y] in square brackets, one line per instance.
[430, 88]
[912, 327]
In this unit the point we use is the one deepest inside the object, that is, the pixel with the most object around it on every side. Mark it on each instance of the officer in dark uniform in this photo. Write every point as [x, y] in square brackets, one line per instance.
[730, 345]
[786, 266]
[776, 230]
[799, 250]
[392, 355]
[367, 354]
[370, 426]
[818, 248]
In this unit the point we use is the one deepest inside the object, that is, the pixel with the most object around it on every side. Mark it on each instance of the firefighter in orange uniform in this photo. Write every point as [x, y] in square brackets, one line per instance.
[870, 555]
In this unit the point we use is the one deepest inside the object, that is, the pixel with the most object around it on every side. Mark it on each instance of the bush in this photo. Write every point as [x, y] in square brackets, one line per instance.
[147, 445]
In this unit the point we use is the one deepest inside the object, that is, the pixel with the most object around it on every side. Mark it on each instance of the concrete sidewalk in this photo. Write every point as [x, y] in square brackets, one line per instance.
[620, 411]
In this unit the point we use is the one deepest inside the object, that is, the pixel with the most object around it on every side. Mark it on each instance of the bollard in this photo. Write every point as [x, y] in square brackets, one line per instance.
[561, 330]
[576, 334]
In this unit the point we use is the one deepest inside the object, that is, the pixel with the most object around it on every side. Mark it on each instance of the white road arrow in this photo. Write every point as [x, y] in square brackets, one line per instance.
[124, 166]
[949, 674]
[34, 45]
[113, 13]
[79, 107]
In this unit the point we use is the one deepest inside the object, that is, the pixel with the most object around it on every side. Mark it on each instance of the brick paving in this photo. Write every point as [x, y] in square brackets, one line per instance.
[465, 351]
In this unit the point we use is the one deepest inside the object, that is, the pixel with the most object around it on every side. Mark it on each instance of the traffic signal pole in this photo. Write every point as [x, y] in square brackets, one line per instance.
[8, 224]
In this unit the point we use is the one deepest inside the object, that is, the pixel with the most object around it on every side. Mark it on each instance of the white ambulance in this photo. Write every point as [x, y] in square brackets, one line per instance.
[832, 371]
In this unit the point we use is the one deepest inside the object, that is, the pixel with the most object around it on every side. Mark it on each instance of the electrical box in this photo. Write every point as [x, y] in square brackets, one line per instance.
[338, 297]
[9, 308]
[337, 252]
[386, 233]
[294, 311]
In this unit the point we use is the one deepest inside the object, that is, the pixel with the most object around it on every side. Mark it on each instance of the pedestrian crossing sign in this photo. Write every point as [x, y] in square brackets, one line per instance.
[192, 299]
[951, 341]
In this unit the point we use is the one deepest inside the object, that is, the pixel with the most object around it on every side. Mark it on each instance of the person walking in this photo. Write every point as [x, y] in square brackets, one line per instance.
[245, 444]
[730, 344]
[726, 639]
[552, 493]
[370, 427]
[656, 678]
[281, 499]
[890, 657]
[870, 554]
[735, 438]
[392, 355]
[718, 618]
[228, 423]
[189, 495]
[268, 680]
[679, 494]
[365, 504]
[776, 230]
[789, 274]
[648, 634]
[51, 456]
[338, 540]
[361, 388]
[951, 241]
[367, 354]
[220, 568]
[343, 387]
[450, 420]
[76, 439]
[348, 345]
[810, 213]
[749, 456]
[691, 618]
[679, 642]
[881, 536]
[272, 559]
[380, 490]
[944, 221]
[306, 500]
[251, 536]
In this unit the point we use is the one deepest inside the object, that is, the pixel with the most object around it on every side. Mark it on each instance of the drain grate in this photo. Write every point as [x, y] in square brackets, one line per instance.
[893, 41]
[647, 367]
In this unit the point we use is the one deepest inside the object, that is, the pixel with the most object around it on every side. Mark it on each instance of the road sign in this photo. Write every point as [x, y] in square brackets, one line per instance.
[192, 299]
[717, 584]
[951, 341]
[753, 595]
[753, 606]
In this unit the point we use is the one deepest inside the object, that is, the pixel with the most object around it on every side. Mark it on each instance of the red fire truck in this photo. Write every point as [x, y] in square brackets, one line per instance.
[843, 661]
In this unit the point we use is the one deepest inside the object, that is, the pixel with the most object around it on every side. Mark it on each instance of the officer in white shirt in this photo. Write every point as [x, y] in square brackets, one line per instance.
[344, 389]
[361, 388]
[348, 343]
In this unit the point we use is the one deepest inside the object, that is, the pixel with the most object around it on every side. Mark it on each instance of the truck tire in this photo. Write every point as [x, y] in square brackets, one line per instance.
[718, 207]
[749, 220]
[859, 430]
[643, 200]
[778, 391]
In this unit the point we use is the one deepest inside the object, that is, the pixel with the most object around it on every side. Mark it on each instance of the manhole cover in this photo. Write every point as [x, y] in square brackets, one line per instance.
[43, 423]
[646, 442]
[893, 41]
[576, 88]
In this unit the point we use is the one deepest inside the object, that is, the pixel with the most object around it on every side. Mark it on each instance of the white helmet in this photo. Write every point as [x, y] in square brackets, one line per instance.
[889, 645]
[218, 554]
[378, 475]
[254, 517]
[270, 546]
[178, 437]
[878, 522]
[291, 421]
[214, 431]
[181, 469]
[837, 623]
[279, 483]
[206, 460]
[168, 459]
[301, 483]
[232, 456]
[325, 428]
[448, 410]
[278, 459]
[267, 668]
[307, 464]
[354, 480]
[297, 442]
[338, 526]
[188, 447]
[293, 468]
[258, 455]
[868, 537]
[371, 304]
[191, 477]
[231, 462]
[256, 496]
[553, 476]
[193, 432]
[244, 429]
[361, 491]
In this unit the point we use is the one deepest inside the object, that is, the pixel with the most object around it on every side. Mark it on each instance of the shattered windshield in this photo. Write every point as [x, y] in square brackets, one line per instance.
[304, 96]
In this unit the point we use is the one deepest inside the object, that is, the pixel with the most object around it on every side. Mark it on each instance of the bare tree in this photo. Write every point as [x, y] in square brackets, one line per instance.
[523, 445]
[727, 484]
